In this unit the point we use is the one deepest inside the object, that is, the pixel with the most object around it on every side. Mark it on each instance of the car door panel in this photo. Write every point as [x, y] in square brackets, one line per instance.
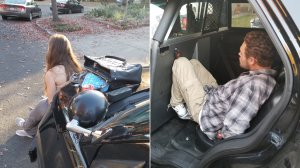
[163, 81]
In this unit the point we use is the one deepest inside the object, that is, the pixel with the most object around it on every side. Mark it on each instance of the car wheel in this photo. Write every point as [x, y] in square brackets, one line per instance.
[40, 14]
[30, 17]
[4, 17]
[70, 11]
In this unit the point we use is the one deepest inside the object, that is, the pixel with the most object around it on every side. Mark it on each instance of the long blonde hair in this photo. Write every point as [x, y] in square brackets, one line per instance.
[60, 52]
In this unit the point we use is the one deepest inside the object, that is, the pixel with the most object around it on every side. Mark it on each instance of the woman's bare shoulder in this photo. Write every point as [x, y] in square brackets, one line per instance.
[58, 69]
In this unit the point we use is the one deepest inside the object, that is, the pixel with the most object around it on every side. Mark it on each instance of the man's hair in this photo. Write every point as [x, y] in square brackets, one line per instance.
[260, 46]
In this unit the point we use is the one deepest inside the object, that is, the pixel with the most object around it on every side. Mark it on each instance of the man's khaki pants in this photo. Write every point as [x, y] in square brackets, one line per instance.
[189, 78]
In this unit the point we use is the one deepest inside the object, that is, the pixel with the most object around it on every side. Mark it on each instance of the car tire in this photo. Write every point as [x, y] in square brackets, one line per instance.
[4, 17]
[40, 14]
[29, 17]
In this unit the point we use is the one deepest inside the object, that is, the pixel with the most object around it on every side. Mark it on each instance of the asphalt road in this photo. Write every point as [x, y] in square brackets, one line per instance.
[22, 49]
[21, 73]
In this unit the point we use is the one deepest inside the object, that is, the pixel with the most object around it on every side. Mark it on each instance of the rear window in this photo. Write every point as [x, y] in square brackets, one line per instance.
[15, 1]
[199, 16]
[61, 1]
[244, 16]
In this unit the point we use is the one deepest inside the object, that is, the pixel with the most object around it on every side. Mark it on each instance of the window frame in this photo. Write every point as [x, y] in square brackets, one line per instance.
[202, 15]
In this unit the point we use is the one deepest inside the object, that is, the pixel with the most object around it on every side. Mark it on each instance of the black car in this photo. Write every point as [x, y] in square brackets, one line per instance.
[85, 128]
[68, 6]
[20, 8]
[255, 23]
[213, 35]
[123, 2]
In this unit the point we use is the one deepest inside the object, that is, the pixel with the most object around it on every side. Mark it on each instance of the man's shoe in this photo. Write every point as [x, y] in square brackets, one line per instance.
[20, 122]
[182, 112]
[23, 133]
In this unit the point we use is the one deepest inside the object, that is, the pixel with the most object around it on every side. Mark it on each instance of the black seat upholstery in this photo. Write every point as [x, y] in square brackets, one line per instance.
[203, 142]
[270, 103]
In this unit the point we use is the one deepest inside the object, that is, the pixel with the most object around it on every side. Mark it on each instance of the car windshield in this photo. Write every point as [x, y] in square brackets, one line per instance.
[15, 1]
[62, 1]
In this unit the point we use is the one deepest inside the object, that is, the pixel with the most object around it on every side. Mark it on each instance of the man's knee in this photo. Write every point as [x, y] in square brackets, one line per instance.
[196, 62]
[180, 63]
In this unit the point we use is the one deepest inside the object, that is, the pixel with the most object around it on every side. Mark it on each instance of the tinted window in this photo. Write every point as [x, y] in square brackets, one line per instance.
[212, 17]
[244, 16]
[189, 19]
[199, 16]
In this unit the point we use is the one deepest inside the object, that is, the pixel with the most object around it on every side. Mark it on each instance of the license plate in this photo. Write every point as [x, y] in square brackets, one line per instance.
[12, 9]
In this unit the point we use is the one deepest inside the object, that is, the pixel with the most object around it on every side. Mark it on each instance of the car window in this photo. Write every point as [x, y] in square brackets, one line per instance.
[15, 1]
[156, 14]
[244, 16]
[199, 16]
[61, 1]
[188, 20]
[30, 3]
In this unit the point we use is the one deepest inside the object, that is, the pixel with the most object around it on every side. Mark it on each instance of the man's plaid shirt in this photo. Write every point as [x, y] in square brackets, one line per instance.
[230, 107]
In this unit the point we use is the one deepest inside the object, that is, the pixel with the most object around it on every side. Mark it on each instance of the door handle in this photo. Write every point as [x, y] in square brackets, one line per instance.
[164, 49]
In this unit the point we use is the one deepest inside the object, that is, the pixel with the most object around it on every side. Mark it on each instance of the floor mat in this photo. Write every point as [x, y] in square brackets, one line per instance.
[174, 144]
[160, 139]
[185, 140]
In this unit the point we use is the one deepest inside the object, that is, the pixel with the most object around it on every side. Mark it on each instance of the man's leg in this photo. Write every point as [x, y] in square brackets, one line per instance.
[186, 87]
[203, 75]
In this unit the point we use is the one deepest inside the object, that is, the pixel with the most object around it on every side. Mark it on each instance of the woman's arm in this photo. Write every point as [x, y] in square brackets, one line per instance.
[50, 86]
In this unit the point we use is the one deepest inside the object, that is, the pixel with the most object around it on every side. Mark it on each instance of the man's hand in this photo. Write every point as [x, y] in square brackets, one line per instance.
[177, 53]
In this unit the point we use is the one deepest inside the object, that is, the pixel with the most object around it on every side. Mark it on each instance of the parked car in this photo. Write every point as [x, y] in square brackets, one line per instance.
[20, 8]
[273, 137]
[255, 23]
[68, 6]
[123, 2]
[85, 128]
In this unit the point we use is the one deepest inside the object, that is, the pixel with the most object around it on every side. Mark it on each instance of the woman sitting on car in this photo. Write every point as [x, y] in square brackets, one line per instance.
[60, 64]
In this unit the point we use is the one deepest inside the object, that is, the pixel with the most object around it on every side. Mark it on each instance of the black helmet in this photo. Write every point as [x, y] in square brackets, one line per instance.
[88, 107]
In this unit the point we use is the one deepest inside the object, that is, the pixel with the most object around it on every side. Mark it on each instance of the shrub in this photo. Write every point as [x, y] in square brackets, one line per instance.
[137, 14]
[118, 16]
[107, 11]
[137, 11]
[63, 27]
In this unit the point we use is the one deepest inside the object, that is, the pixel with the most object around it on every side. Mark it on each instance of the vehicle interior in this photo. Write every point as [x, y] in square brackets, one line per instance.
[212, 31]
